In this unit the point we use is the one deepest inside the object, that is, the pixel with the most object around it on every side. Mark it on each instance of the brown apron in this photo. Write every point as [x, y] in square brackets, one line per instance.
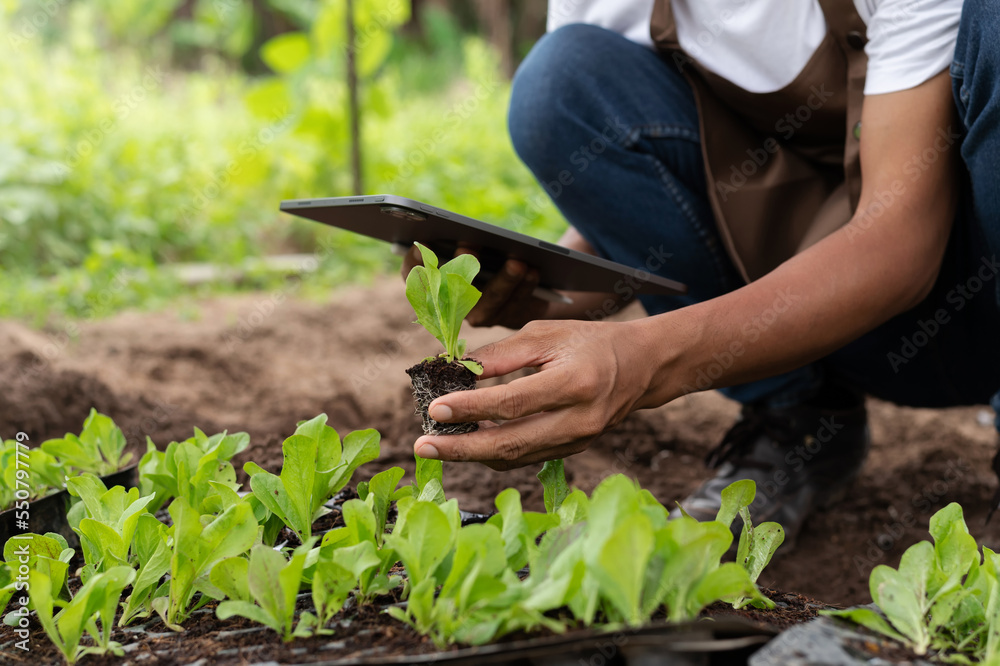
[783, 168]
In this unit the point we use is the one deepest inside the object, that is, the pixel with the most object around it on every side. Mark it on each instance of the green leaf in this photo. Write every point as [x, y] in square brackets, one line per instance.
[442, 297]
[286, 53]
[621, 565]
[360, 447]
[428, 469]
[735, 496]
[230, 576]
[866, 617]
[380, 489]
[432, 492]
[423, 542]
[555, 489]
[229, 608]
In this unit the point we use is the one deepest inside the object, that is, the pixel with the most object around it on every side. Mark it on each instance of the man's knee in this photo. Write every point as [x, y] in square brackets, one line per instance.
[552, 94]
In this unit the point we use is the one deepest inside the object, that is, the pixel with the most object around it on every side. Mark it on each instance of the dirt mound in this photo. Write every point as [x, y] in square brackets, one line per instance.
[263, 362]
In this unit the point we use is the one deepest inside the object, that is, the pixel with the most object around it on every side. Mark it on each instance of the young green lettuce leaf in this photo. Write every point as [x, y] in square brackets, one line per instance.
[316, 466]
[106, 521]
[272, 582]
[442, 297]
[100, 447]
[196, 549]
[152, 555]
[96, 601]
[941, 596]
[187, 469]
[45, 553]
[31, 470]
[554, 486]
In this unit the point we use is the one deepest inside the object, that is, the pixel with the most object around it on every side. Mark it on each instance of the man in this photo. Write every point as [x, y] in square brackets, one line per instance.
[723, 145]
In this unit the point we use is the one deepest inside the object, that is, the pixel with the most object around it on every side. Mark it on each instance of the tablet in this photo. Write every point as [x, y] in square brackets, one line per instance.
[402, 221]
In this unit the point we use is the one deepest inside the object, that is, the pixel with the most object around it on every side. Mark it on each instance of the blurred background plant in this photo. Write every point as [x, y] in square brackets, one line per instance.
[140, 136]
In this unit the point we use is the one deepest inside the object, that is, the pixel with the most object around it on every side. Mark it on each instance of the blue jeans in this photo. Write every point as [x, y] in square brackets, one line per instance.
[610, 130]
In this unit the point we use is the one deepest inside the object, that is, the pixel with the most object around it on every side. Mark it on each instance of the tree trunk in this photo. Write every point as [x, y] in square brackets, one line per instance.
[352, 89]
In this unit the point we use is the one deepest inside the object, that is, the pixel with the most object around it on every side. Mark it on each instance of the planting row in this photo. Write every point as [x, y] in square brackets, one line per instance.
[31, 473]
[612, 557]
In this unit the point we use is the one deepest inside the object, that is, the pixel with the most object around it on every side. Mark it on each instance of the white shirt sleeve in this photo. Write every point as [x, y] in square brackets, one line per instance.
[909, 42]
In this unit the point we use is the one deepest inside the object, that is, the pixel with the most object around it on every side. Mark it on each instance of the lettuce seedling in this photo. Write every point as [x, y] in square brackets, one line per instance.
[364, 523]
[441, 298]
[96, 601]
[99, 449]
[940, 597]
[196, 548]
[7, 586]
[152, 555]
[46, 553]
[554, 486]
[315, 468]
[31, 471]
[273, 582]
[187, 469]
[106, 521]
[757, 542]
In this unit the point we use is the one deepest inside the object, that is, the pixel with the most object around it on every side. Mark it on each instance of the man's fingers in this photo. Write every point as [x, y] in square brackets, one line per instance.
[497, 293]
[521, 301]
[528, 348]
[512, 444]
[410, 259]
[521, 397]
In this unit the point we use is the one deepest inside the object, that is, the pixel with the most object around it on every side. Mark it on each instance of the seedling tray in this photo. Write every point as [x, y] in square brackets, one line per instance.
[48, 514]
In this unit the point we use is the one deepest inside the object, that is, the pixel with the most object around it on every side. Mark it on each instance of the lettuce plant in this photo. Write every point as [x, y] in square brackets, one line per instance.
[442, 297]
[269, 580]
[106, 521]
[152, 557]
[99, 449]
[942, 597]
[350, 549]
[187, 469]
[45, 553]
[195, 550]
[7, 586]
[92, 610]
[26, 473]
[316, 466]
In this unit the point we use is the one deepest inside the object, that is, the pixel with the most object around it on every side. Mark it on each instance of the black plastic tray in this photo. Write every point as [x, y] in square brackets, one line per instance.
[48, 514]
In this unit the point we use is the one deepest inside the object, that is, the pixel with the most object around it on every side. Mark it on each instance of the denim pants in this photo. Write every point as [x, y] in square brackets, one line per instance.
[610, 130]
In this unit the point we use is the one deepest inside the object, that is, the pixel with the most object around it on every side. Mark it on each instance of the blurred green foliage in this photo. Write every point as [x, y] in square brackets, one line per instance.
[132, 138]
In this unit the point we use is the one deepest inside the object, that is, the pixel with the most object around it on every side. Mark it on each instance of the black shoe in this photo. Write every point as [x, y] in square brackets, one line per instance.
[801, 458]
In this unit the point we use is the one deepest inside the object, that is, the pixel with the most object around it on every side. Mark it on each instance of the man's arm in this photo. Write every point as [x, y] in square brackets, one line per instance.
[883, 262]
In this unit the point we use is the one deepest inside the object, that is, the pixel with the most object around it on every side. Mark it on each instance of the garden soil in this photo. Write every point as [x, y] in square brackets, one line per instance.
[262, 362]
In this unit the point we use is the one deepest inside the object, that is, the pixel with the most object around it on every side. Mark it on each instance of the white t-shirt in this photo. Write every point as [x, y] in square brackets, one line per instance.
[762, 45]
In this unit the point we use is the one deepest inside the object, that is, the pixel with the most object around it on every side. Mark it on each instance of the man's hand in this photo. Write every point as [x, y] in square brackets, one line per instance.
[592, 374]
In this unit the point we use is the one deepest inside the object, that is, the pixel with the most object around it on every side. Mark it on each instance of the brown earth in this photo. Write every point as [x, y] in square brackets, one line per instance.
[262, 362]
